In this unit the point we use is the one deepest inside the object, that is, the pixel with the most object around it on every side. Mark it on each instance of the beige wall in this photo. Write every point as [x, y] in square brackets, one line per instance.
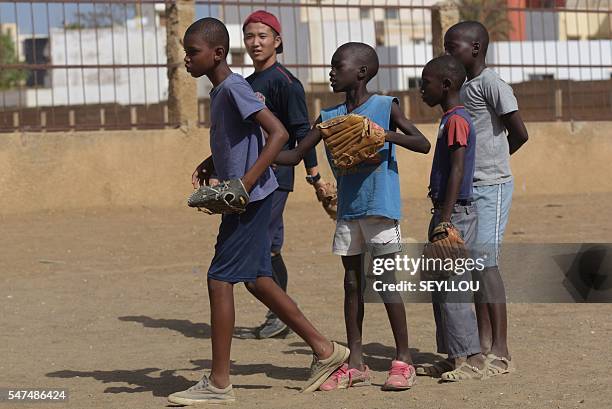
[62, 171]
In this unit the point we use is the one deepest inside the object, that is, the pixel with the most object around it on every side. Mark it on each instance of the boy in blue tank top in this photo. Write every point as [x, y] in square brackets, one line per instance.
[450, 189]
[369, 208]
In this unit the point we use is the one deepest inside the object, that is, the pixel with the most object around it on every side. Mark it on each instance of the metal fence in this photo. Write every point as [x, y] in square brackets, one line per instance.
[67, 65]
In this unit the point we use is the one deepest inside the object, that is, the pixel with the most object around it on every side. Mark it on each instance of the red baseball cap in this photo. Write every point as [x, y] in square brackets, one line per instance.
[269, 19]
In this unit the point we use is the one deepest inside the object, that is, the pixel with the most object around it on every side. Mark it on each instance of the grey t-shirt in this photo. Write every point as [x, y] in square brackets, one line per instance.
[487, 97]
[235, 139]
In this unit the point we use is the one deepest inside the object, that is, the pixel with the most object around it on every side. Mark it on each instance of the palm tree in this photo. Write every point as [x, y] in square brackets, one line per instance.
[491, 13]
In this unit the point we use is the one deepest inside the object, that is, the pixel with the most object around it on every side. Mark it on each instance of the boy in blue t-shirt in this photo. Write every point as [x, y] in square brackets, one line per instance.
[450, 189]
[242, 252]
[369, 209]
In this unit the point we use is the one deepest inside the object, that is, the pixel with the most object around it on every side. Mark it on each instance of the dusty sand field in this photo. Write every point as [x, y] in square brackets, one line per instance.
[113, 307]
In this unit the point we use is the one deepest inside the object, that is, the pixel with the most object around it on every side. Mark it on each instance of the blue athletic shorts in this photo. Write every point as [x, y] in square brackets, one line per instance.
[242, 252]
[493, 204]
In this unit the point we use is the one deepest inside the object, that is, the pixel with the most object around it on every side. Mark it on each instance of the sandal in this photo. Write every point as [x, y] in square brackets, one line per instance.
[503, 367]
[464, 372]
[436, 369]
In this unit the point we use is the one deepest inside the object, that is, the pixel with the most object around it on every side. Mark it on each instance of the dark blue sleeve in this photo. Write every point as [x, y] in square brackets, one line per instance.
[297, 118]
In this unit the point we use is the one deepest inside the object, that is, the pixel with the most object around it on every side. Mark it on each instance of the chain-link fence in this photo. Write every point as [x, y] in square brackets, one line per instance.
[104, 64]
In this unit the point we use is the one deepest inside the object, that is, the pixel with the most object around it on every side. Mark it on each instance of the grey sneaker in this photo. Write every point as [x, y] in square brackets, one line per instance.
[322, 368]
[272, 327]
[203, 393]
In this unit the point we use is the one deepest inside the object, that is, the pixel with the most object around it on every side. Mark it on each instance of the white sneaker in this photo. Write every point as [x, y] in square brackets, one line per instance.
[203, 392]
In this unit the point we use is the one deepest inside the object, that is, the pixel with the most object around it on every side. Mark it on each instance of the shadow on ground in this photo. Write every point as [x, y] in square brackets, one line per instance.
[163, 384]
[185, 327]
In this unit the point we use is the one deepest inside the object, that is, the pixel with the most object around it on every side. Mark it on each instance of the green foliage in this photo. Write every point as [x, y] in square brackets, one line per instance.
[491, 13]
[9, 77]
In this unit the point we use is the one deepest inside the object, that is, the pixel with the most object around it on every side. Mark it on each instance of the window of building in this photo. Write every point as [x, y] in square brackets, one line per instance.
[237, 57]
[414, 82]
[541, 77]
[391, 13]
[364, 13]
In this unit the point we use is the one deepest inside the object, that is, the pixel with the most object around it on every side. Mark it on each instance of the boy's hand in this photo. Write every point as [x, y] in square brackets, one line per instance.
[203, 173]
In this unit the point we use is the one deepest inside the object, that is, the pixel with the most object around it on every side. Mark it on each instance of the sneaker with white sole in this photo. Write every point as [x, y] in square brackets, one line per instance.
[344, 378]
[320, 369]
[272, 327]
[203, 392]
[401, 376]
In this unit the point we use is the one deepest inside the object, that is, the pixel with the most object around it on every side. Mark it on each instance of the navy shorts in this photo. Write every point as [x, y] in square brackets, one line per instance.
[276, 229]
[242, 252]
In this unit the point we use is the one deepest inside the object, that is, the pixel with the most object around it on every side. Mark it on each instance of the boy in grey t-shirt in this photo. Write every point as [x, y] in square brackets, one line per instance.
[500, 132]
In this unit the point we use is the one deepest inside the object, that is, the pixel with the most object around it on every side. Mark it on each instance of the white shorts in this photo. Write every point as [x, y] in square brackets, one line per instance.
[352, 236]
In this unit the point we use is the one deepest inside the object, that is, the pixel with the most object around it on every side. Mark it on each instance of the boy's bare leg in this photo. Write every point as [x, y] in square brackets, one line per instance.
[273, 297]
[397, 318]
[353, 309]
[396, 311]
[494, 326]
[222, 315]
[485, 333]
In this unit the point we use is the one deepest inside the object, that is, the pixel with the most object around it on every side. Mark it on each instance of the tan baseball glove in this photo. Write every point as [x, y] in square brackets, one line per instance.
[351, 139]
[445, 246]
[328, 196]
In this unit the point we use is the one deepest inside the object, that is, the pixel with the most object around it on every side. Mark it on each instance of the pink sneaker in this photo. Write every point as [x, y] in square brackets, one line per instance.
[345, 378]
[401, 376]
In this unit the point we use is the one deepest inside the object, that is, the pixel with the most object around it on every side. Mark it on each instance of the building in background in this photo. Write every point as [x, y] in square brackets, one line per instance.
[540, 45]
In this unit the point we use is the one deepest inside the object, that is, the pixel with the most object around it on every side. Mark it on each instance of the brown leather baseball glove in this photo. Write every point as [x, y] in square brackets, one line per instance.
[328, 196]
[444, 247]
[351, 139]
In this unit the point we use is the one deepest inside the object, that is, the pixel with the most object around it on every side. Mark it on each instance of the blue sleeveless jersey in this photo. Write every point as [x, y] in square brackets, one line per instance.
[372, 188]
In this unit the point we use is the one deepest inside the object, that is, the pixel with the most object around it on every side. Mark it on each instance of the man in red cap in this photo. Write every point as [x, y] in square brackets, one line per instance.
[284, 95]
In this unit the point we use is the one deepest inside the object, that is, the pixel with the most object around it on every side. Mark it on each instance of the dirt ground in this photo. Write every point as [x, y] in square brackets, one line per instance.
[113, 307]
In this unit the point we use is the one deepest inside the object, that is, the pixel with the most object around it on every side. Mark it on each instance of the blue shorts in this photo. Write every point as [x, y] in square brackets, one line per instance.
[242, 252]
[493, 203]
[276, 229]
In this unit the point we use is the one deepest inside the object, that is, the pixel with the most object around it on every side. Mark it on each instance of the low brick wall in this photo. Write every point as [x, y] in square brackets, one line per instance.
[100, 169]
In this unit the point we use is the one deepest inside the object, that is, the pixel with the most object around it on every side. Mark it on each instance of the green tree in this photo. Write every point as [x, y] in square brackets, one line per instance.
[491, 13]
[9, 77]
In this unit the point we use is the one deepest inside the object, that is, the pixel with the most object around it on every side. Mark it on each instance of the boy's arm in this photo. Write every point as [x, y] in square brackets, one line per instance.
[500, 96]
[294, 156]
[310, 158]
[517, 132]
[457, 160]
[411, 138]
[277, 137]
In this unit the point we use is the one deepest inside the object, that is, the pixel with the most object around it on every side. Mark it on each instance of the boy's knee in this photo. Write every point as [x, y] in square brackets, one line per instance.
[219, 287]
[351, 285]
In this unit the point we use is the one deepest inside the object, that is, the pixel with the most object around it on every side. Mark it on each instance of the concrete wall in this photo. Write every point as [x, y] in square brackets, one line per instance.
[78, 170]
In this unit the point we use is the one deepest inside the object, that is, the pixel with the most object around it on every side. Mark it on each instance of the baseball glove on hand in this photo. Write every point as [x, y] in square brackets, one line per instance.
[444, 244]
[351, 139]
[227, 197]
[328, 196]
